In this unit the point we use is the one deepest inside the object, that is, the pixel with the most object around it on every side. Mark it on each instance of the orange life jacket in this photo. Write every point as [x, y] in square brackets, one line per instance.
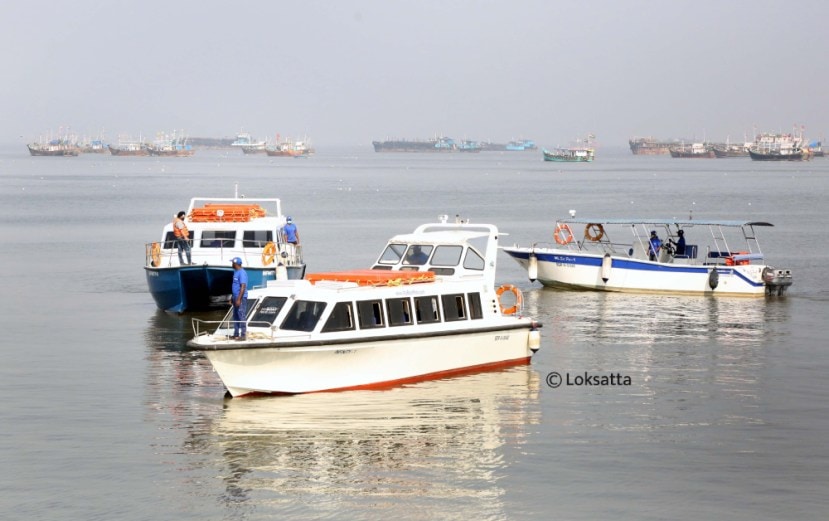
[180, 233]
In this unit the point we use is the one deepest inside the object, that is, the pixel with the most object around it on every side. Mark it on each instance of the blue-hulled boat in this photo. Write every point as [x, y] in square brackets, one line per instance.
[221, 229]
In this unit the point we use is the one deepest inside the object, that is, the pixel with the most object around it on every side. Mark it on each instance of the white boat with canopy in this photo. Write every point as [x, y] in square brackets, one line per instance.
[719, 258]
[428, 308]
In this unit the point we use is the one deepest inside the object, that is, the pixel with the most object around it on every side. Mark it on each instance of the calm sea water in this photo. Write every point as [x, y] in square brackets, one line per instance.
[105, 416]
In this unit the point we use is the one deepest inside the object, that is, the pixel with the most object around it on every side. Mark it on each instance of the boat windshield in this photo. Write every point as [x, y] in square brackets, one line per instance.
[393, 254]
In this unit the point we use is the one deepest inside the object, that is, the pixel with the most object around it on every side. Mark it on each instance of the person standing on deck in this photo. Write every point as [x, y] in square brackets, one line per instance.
[239, 299]
[654, 247]
[291, 237]
[182, 237]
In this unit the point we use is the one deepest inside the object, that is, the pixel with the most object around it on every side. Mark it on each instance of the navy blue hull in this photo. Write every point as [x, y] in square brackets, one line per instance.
[190, 288]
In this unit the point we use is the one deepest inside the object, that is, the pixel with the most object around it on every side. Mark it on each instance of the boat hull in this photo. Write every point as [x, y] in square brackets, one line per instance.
[187, 288]
[759, 156]
[679, 154]
[562, 268]
[367, 364]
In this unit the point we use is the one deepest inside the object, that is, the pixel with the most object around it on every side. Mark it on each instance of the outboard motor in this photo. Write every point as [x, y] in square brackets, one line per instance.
[776, 280]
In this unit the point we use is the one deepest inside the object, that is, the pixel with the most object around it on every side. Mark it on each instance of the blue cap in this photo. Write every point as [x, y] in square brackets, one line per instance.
[289, 219]
[236, 260]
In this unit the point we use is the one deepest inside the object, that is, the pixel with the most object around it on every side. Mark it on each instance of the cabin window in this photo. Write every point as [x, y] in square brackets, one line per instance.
[426, 310]
[473, 261]
[218, 238]
[170, 240]
[341, 319]
[393, 254]
[370, 313]
[400, 311]
[303, 315]
[267, 311]
[447, 256]
[453, 307]
[256, 238]
[476, 310]
[417, 255]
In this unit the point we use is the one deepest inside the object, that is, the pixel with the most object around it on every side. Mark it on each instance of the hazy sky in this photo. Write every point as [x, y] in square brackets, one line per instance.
[347, 72]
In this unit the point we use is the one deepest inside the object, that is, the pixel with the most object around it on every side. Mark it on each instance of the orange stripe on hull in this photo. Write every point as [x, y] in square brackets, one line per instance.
[389, 384]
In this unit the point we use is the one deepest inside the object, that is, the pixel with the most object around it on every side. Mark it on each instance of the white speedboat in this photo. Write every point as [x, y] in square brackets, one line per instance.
[220, 229]
[428, 308]
[720, 258]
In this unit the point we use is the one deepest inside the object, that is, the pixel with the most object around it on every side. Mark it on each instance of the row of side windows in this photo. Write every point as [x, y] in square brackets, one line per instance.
[226, 239]
[373, 314]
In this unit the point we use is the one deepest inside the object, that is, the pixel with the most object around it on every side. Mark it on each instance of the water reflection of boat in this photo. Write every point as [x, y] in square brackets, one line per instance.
[438, 440]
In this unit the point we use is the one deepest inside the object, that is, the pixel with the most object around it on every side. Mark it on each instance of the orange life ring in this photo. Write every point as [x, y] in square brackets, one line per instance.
[595, 237]
[268, 254]
[155, 253]
[519, 299]
[563, 234]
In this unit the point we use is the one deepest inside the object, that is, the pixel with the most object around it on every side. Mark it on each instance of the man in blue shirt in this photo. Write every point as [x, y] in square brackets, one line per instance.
[655, 245]
[290, 232]
[239, 299]
[291, 237]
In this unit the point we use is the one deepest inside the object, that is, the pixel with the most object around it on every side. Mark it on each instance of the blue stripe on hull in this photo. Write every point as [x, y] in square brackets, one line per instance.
[199, 287]
[629, 264]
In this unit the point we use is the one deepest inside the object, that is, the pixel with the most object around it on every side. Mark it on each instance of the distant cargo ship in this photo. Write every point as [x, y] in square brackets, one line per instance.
[648, 146]
[440, 144]
[522, 145]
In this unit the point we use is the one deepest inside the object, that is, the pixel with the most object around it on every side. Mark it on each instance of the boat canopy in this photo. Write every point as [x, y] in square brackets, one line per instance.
[665, 222]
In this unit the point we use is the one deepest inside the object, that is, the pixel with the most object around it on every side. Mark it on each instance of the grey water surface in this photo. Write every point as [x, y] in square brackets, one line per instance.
[105, 416]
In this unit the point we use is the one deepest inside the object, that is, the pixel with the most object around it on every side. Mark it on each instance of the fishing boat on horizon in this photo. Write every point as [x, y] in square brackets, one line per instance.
[171, 145]
[649, 146]
[779, 147]
[692, 151]
[582, 151]
[440, 144]
[54, 148]
[249, 145]
[428, 308]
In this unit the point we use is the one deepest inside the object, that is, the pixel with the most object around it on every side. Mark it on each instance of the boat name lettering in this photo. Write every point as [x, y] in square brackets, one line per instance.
[501, 338]
[269, 273]
[564, 259]
[343, 351]
[152, 273]
[410, 292]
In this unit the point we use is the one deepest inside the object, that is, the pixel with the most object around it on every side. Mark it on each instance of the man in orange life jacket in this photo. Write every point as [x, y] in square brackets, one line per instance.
[182, 235]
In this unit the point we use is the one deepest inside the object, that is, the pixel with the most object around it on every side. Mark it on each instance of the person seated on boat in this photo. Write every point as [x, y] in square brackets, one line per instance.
[416, 256]
[679, 244]
[182, 236]
[654, 246]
